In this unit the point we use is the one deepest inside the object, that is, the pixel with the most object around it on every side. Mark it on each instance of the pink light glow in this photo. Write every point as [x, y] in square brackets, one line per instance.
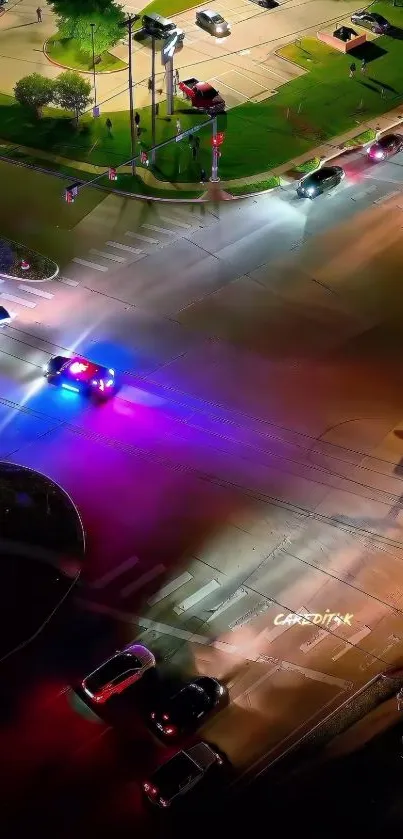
[78, 367]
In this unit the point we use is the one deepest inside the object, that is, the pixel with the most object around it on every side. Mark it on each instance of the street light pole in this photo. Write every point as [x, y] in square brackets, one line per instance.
[153, 96]
[130, 22]
[93, 64]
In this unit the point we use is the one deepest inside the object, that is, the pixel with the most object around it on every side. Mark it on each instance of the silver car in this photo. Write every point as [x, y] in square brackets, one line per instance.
[212, 22]
[180, 774]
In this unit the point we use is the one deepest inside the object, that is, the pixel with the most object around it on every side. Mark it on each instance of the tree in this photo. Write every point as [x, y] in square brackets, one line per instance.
[75, 18]
[72, 92]
[34, 92]
[6, 257]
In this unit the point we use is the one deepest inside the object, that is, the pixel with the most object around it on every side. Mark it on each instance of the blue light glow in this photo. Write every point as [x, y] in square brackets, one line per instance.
[70, 387]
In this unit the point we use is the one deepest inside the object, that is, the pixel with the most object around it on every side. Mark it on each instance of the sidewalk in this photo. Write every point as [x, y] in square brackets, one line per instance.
[325, 152]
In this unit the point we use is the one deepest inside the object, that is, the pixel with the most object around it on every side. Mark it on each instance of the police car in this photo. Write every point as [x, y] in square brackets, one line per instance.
[81, 376]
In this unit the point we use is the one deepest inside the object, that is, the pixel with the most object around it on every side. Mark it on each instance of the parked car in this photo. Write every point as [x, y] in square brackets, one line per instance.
[372, 21]
[186, 710]
[180, 774]
[213, 23]
[386, 146]
[320, 181]
[118, 673]
[203, 96]
[160, 27]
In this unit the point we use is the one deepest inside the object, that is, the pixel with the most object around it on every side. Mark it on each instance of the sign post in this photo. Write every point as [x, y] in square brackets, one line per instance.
[167, 61]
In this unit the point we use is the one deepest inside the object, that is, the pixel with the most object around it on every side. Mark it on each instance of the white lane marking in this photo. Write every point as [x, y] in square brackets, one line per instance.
[115, 572]
[37, 291]
[165, 591]
[272, 634]
[355, 639]
[66, 281]
[107, 255]
[88, 264]
[124, 247]
[159, 229]
[386, 197]
[196, 597]
[143, 580]
[143, 238]
[28, 303]
[175, 221]
[258, 682]
[317, 638]
[238, 595]
[315, 676]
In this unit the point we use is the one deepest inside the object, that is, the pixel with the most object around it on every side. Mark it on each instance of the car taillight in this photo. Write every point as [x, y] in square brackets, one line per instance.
[163, 802]
[150, 789]
[153, 715]
[170, 729]
[165, 717]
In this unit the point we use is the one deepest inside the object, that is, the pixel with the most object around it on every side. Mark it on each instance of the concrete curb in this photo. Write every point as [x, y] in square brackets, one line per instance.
[75, 69]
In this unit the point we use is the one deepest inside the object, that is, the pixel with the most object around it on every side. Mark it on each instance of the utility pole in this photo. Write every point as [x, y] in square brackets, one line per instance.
[129, 25]
[93, 66]
[153, 97]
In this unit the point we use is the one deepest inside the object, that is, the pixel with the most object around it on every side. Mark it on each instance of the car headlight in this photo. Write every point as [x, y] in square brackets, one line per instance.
[310, 190]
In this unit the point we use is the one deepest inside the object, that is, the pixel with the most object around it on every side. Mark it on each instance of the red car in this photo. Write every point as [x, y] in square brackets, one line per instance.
[203, 96]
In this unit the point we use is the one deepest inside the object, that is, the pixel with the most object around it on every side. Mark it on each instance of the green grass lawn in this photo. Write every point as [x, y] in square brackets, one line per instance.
[169, 8]
[65, 51]
[322, 103]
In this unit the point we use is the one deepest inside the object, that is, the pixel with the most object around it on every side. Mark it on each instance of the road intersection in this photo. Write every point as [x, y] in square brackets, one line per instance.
[249, 466]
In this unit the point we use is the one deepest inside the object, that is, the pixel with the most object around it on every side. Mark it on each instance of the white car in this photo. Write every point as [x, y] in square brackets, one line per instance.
[118, 673]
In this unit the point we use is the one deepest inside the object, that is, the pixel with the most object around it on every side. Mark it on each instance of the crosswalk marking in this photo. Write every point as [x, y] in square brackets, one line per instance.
[27, 303]
[37, 291]
[196, 597]
[142, 238]
[165, 591]
[159, 229]
[124, 247]
[175, 221]
[143, 580]
[107, 255]
[90, 264]
[66, 281]
[115, 572]
[228, 603]
[353, 640]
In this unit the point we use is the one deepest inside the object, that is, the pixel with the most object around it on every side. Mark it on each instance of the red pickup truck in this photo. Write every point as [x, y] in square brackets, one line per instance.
[203, 96]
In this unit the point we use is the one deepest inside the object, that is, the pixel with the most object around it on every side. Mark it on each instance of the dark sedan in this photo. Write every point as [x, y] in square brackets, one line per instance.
[386, 146]
[186, 710]
[372, 21]
[320, 181]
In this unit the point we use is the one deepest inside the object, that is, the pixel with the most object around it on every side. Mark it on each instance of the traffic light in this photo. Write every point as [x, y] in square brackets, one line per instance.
[112, 174]
[70, 193]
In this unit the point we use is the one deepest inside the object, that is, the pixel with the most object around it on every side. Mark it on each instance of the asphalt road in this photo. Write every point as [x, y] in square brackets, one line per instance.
[250, 465]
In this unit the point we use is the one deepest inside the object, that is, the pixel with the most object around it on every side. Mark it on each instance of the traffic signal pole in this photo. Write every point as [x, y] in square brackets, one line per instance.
[215, 153]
